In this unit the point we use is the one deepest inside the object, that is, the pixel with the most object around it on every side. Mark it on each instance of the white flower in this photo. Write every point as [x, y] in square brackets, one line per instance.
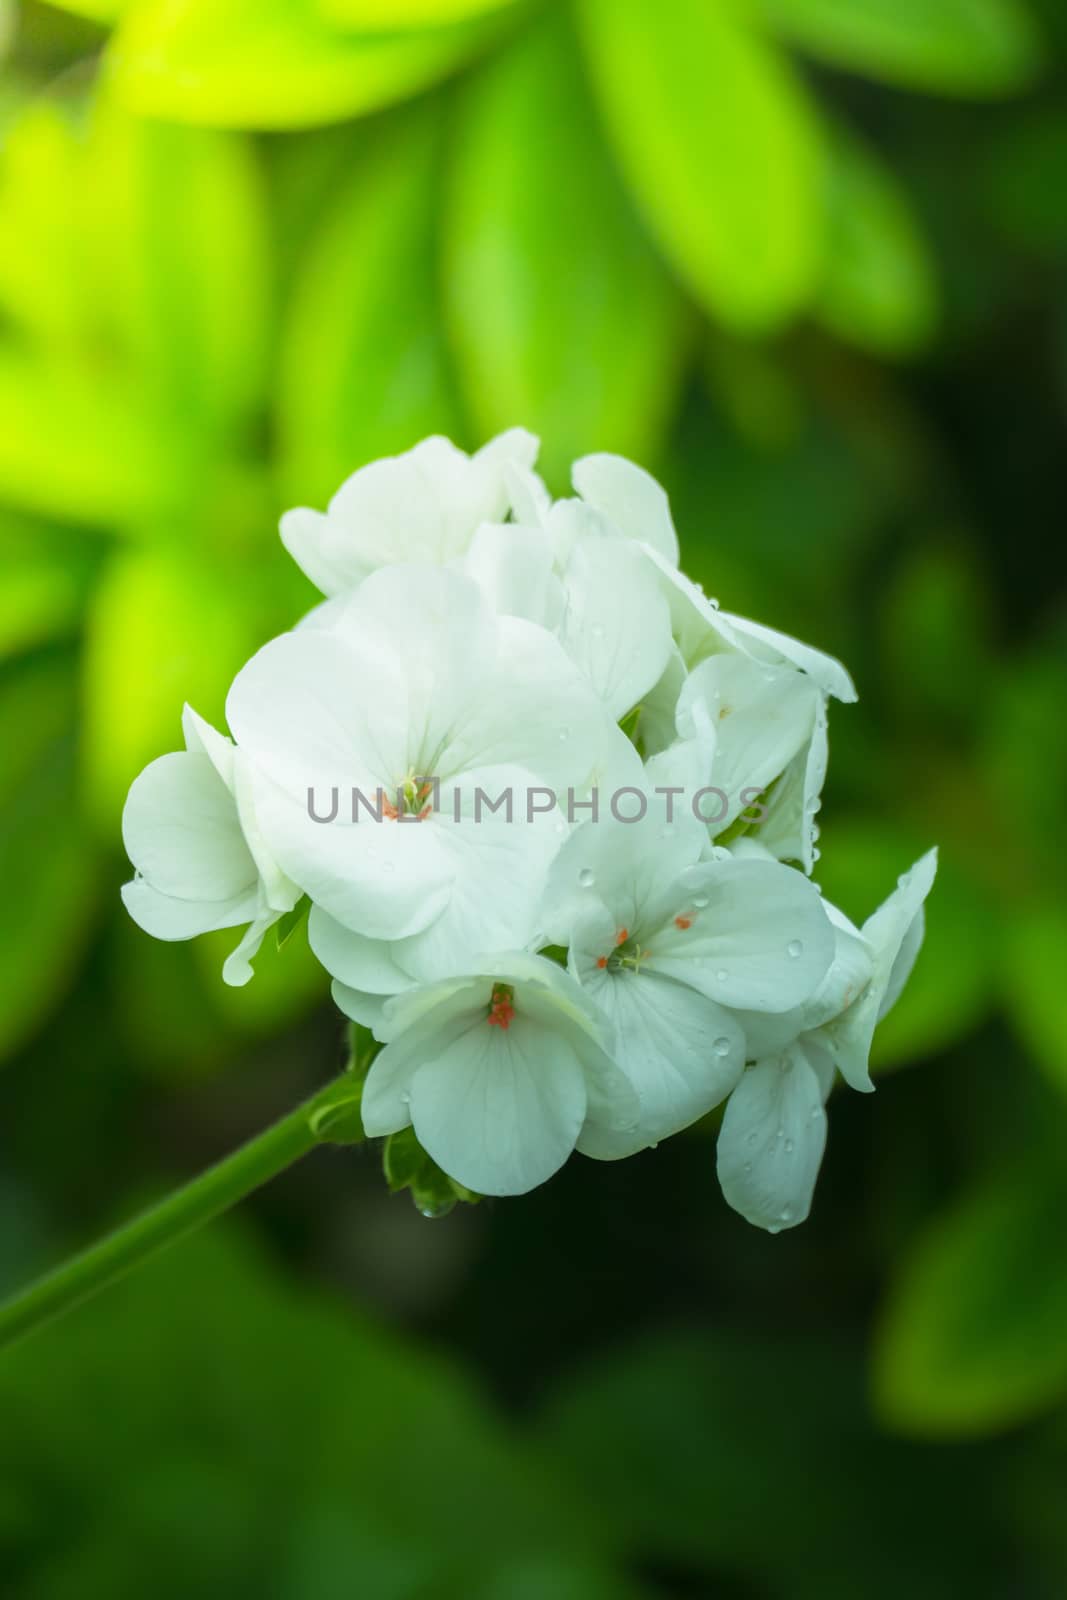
[671, 946]
[774, 1128]
[502, 1074]
[190, 829]
[423, 506]
[421, 696]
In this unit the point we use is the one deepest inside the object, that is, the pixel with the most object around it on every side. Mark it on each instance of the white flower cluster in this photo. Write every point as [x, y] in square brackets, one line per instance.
[435, 757]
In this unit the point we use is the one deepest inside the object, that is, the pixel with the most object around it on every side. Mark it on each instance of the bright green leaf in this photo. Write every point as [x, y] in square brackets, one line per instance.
[363, 364]
[396, 14]
[559, 351]
[46, 860]
[271, 63]
[190, 302]
[965, 47]
[878, 287]
[973, 1335]
[720, 144]
[72, 445]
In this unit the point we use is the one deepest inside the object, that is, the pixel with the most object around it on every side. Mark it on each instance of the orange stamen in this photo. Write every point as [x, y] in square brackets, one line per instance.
[622, 936]
[683, 922]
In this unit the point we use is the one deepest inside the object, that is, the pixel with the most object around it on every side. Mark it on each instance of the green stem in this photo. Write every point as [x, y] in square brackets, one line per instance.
[327, 1117]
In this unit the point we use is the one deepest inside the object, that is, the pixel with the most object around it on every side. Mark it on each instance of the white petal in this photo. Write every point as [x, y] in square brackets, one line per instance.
[771, 1143]
[891, 935]
[357, 962]
[181, 831]
[848, 975]
[789, 829]
[237, 968]
[383, 879]
[616, 625]
[762, 717]
[750, 934]
[620, 866]
[531, 708]
[165, 917]
[767, 644]
[656, 724]
[630, 498]
[204, 740]
[324, 550]
[500, 1109]
[366, 1009]
[512, 566]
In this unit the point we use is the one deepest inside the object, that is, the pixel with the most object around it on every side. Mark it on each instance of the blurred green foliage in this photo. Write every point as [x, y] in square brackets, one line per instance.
[806, 259]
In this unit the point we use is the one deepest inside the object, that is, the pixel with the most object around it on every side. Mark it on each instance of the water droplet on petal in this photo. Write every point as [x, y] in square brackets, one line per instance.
[405, 1097]
[747, 1168]
[786, 1213]
[794, 948]
[779, 1133]
[721, 1046]
[789, 1147]
[564, 735]
[700, 901]
[587, 877]
[722, 975]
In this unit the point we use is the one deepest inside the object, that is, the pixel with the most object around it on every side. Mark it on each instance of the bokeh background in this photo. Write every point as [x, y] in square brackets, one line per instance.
[806, 259]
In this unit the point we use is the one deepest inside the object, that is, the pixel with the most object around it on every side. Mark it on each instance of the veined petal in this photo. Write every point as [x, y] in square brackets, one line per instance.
[630, 498]
[771, 1142]
[750, 934]
[681, 1052]
[500, 1109]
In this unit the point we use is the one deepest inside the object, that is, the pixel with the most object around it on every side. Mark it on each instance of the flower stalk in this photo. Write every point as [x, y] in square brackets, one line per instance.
[330, 1117]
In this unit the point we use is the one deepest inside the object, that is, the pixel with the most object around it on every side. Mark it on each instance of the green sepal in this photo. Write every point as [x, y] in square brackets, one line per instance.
[336, 1117]
[286, 926]
[407, 1166]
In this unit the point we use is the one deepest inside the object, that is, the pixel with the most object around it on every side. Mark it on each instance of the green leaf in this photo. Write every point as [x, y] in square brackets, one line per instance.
[292, 920]
[191, 304]
[74, 445]
[1035, 964]
[721, 147]
[972, 1337]
[45, 579]
[364, 371]
[95, 10]
[388, 15]
[46, 860]
[964, 47]
[878, 289]
[271, 63]
[557, 350]
[1023, 181]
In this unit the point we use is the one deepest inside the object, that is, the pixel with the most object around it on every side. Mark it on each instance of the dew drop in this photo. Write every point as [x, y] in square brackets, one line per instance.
[722, 975]
[587, 878]
[700, 901]
[752, 1138]
[564, 735]
[405, 1097]
[786, 1213]
[789, 1147]
[794, 948]
[780, 1133]
[747, 1168]
[721, 1046]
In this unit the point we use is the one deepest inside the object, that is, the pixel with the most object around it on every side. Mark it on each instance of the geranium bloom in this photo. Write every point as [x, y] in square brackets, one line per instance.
[435, 757]
[672, 946]
[502, 1073]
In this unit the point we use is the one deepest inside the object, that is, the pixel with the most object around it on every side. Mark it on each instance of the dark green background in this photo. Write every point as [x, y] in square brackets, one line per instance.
[807, 260]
